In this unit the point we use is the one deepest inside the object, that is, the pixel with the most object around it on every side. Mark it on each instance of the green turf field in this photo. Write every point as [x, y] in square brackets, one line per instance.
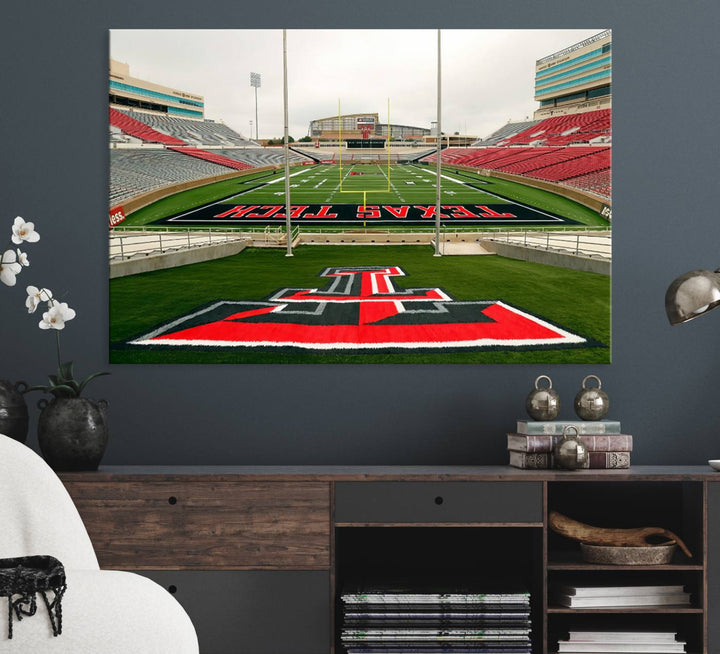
[374, 184]
[577, 301]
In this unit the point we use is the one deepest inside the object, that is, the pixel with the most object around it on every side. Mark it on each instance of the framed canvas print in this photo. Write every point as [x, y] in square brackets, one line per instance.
[360, 196]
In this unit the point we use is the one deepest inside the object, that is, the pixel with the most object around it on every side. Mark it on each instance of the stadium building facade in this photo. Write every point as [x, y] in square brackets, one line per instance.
[575, 79]
[361, 126]
[128, 92]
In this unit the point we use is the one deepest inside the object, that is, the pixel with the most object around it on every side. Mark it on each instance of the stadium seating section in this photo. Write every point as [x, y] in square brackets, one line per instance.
[135, 170]
[187, 131]
[506, 131]
[556, 149]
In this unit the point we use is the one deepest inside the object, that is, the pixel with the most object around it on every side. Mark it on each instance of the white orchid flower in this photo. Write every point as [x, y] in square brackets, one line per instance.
[9, 267]
[22, 231]
[22, 258]
[36, 296]
[56, 316]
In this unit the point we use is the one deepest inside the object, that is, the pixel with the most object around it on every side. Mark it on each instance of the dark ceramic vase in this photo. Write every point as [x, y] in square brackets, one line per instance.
[72, 433]
[13, 410]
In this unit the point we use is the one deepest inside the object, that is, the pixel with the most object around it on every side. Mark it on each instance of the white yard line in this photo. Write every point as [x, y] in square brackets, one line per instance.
[499, 197]
[232, 197]
[392, 186]
[335, 190]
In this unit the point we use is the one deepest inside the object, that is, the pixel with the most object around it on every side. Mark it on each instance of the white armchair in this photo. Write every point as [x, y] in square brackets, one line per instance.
[104, 612]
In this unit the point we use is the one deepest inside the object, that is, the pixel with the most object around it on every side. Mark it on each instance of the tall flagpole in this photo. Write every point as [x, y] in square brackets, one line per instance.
[438, 149]
[288, 224]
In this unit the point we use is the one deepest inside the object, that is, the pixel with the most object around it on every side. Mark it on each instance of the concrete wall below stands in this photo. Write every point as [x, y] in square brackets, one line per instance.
[548, 257]
[175, 259]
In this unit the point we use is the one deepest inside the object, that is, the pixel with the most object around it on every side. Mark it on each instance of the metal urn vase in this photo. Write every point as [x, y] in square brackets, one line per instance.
[72, 433]
[13, 410]
[543, 403]
[591, 403]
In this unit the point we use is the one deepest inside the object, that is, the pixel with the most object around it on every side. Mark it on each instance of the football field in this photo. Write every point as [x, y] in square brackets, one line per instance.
[376, 194]
[360, 304]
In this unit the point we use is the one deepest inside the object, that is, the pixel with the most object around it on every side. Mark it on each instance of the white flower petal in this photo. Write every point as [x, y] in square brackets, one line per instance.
[7, 276]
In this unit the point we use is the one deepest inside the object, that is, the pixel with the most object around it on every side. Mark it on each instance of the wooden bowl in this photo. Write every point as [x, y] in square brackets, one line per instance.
[620, 555]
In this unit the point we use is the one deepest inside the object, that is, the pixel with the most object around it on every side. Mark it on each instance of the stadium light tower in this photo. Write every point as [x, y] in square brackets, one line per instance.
[255, 83]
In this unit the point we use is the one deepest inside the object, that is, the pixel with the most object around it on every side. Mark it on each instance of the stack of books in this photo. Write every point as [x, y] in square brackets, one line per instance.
[647, 642]
[385, 621]
[531, 446]
[583, 597]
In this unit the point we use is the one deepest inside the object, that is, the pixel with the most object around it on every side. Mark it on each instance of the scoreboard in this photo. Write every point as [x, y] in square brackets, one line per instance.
[365, 143]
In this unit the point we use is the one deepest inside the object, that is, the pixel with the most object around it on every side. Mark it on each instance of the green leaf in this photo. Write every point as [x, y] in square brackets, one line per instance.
[87, 380]
[63, 391]
[65, 371]
[45, 389]
[53, 380]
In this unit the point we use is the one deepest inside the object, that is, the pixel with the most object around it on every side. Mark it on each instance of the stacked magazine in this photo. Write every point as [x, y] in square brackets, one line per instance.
[392, 621]
[584, 597]
[599, 642]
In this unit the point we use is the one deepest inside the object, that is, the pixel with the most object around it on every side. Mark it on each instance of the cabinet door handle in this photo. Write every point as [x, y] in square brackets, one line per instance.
[172, 500]
[439, 500]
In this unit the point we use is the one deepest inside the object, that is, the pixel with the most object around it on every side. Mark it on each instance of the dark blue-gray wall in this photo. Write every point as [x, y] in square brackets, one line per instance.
[664, 383]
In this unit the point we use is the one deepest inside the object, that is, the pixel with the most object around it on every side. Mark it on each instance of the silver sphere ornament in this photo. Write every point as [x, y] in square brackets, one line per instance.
[570, 453]
[543, 403]
[591, 403]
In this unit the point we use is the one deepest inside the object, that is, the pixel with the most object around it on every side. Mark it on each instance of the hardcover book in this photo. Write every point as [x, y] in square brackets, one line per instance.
[593, 442]
[596, 460]
[555, 427]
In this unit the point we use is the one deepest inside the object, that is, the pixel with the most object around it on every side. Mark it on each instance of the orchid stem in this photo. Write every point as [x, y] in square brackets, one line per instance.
[57, 334]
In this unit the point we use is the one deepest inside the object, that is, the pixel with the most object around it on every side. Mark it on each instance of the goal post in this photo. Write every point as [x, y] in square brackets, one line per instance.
[359, 187]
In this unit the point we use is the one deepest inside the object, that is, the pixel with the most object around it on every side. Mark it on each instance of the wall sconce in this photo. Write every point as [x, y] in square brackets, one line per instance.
[691, 295]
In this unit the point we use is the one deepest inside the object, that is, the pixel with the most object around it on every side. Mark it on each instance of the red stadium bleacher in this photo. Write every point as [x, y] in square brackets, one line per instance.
[590, 163]
[598, 182]
[564, 130]
[140, 130]
[212, 158]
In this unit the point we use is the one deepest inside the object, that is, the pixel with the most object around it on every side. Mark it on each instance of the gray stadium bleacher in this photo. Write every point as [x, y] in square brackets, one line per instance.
[135, 171]
[193, 132]
[506, 131]
[258, 157]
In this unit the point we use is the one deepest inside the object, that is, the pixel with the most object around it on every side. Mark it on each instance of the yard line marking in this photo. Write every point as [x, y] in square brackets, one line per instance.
[392, 186]
[232, 197]
[505, 200]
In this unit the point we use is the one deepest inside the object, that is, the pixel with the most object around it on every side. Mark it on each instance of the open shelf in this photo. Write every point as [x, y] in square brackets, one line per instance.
[572, 560]
[626, 609]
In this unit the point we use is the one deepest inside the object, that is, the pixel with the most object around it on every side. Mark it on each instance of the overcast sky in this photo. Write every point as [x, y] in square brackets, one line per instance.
[487, 74]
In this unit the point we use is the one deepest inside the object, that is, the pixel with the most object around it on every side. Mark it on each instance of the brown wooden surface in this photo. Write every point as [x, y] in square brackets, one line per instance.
[212, 525]
[391, 473]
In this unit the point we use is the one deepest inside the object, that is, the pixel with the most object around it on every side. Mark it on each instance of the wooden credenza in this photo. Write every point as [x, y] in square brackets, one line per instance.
[258, 556]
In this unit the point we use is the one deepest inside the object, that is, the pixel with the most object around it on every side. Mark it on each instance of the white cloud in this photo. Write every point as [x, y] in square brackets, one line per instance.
[487, 74]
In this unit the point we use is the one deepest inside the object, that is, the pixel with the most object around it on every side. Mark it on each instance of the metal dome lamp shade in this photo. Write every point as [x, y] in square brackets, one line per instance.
[691, 295]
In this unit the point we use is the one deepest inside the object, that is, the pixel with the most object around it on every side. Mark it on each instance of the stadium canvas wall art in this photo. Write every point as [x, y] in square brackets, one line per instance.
[515, 267]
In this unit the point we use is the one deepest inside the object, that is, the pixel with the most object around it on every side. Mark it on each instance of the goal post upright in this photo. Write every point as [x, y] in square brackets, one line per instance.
[377, 162]
[387, 143]
[340, 142]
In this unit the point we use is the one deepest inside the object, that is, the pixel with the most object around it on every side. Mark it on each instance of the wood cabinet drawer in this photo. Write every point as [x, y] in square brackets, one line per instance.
[443, 501]
[221, 525]
[254, 611]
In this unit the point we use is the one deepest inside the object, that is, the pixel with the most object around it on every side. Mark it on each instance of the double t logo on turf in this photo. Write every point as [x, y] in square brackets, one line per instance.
[360, 309]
